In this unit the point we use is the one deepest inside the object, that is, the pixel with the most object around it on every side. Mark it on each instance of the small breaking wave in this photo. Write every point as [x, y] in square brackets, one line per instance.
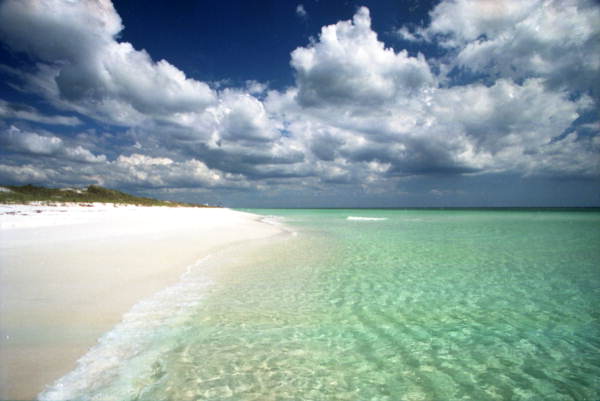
[359, 218]
[278, 221]
[273, 220]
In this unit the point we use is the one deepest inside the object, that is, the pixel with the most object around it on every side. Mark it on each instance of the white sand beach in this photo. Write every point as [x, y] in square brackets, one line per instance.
[69, 273]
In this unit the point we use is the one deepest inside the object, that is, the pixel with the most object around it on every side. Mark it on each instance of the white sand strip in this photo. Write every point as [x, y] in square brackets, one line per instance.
[69, 273]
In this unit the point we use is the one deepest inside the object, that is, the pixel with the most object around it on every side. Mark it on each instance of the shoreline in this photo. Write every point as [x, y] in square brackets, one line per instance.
[69, 274]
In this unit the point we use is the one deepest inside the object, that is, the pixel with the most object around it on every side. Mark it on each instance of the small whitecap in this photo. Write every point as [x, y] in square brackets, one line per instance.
[359, 218]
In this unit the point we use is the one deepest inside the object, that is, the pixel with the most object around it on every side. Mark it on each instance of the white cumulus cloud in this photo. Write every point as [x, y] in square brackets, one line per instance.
[512, 92]
[349, 65]
[84, 68]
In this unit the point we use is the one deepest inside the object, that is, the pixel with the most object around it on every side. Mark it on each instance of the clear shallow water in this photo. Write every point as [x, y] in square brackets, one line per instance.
[387, 305]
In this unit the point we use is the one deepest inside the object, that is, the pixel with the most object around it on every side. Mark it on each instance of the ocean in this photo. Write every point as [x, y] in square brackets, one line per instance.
[367, 304]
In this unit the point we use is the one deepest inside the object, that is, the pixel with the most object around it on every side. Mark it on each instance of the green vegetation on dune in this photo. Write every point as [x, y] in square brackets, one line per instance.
[93, 193]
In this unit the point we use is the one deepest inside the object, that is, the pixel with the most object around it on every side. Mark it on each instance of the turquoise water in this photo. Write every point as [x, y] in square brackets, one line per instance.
[386, 305]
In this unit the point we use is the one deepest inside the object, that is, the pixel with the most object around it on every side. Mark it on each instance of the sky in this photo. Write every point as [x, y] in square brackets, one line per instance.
[305, 104]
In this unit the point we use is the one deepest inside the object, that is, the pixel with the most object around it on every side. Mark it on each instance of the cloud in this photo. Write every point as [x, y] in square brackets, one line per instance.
[141, 170]
[506, 114]
[349, 65]
[505, 127]
[574, 157]
[405, 33]
[243, 118]
[359, 101]
[256, 88]
[84, 68]
[556, 40]
[301, 11]
[23, 112]
[17, 140]
[512, 93]
[28, 173]
[420, 129]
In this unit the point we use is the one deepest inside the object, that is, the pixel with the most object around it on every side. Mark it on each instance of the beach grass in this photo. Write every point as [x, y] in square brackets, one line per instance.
[94, 193]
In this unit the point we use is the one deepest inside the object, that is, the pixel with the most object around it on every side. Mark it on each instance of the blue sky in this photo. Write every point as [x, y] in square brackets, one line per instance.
[238, 40]
[306, 104]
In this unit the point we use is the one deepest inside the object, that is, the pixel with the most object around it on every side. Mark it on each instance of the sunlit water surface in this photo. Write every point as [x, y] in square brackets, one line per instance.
[370, 305]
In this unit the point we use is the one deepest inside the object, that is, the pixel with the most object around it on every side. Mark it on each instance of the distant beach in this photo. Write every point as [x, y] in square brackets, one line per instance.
[70, 272]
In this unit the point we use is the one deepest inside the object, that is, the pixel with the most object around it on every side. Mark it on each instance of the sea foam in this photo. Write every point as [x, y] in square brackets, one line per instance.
[359, 218]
